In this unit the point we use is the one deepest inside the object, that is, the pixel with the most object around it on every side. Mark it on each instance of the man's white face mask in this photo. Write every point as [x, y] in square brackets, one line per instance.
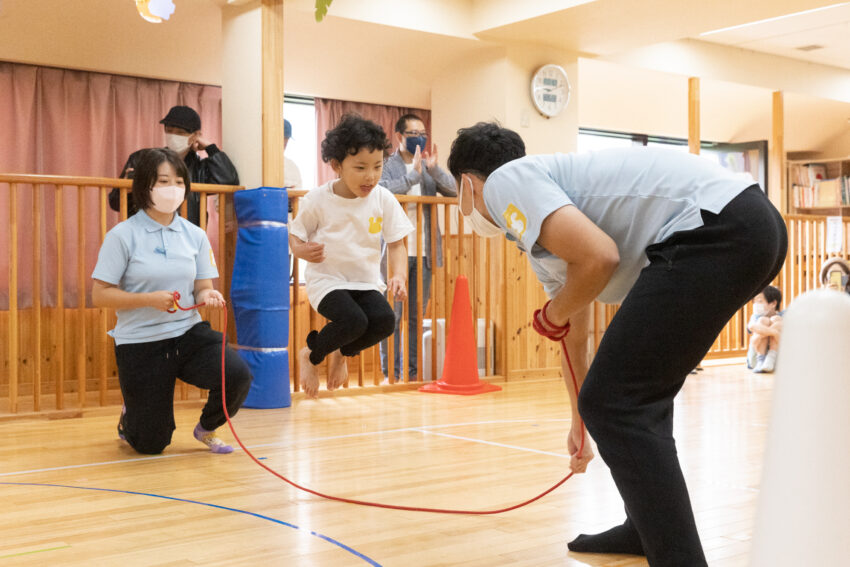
[480, 225]
[177, 143]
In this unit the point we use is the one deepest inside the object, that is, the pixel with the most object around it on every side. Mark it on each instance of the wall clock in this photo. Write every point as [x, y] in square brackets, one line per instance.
[550, 90]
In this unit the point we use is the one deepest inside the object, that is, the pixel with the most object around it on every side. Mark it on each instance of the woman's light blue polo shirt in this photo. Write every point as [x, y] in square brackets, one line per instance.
[637, 196]
[140, 255]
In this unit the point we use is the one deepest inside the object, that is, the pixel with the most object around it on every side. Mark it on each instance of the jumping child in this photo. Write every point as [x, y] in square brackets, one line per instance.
[339, 230]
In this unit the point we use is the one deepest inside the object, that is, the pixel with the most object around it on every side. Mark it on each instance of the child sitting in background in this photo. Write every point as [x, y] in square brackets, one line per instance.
[835, 274]
[338, 230]
[765, 326]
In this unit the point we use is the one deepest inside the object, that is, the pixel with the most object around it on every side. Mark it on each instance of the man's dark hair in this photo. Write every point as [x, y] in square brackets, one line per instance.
[146, 173]
[483, 148]
[401, 123]
[352, 134]
[772, 294]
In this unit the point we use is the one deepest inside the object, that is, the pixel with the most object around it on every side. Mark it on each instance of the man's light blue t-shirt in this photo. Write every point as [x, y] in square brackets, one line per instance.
[140, 255]
[637, 196]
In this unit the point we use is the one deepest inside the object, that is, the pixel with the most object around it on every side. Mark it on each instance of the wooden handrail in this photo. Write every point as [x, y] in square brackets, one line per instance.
[102, 182]
[424, 199]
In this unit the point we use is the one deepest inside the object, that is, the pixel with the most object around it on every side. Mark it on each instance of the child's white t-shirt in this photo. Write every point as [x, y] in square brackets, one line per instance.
[351, 230]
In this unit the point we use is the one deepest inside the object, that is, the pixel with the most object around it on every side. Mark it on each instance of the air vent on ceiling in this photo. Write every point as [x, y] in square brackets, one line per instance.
[812, 47]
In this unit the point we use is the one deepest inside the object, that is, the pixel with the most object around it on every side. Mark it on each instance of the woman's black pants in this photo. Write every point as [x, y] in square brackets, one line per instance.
[147, 373]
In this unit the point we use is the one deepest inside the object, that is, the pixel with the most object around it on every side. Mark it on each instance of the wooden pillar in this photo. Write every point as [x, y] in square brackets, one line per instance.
[13, 298]
[693, 115]
[272, 18]
[776, 160]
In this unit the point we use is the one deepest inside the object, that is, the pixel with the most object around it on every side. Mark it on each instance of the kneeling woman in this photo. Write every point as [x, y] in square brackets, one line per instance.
[141, 262]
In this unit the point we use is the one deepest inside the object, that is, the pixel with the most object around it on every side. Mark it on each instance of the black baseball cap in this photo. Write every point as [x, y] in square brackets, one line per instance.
[182, 117]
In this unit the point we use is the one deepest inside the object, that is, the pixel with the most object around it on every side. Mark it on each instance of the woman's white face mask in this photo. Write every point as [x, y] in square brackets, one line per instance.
[167, 199]
[480, 225]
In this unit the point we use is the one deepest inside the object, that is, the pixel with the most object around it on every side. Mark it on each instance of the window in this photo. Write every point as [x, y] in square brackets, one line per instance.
[592, 140]
[301, 113]
[749, 157]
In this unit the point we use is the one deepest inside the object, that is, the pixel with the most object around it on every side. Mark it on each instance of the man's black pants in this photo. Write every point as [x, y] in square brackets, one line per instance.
[695, 282]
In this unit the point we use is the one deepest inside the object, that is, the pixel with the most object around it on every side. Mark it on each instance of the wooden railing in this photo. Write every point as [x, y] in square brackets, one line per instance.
[800, 273]
[479, 259]
[57, 354]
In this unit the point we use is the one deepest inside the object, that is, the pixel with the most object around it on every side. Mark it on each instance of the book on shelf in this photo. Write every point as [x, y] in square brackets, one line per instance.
[807, 175]
[828, 193]
[825, 193]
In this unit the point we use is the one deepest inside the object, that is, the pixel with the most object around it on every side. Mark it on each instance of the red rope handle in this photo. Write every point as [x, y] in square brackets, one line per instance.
[554, 332]
[177, 306]
[378, 504]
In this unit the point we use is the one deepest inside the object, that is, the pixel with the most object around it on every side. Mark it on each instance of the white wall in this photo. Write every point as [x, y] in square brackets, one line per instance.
[470, 90]
[364, 61]
[242, 92]
[110, 36]
[444, 17]
[646, 101]
[742, 66]
[542, 135]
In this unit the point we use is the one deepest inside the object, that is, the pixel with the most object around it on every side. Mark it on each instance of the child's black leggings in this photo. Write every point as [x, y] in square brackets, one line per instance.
[357, 319]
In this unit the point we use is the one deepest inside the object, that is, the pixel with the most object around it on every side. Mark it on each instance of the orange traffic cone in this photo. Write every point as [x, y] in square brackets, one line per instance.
[460, 369]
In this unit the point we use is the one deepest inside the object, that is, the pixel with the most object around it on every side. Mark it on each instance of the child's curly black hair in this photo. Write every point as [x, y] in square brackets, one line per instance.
[352, 134]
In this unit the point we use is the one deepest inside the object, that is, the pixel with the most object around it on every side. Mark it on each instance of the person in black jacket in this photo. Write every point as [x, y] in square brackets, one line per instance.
[183, 135]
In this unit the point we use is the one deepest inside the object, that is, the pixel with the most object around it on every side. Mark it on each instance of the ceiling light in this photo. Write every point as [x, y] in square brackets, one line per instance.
[777, 18]
[155, 11]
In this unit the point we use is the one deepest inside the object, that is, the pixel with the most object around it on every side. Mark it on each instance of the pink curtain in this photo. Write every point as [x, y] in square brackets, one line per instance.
[329, 112]
[78, 123]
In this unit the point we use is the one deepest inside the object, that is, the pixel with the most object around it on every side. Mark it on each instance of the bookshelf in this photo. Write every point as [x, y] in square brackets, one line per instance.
[819, 187]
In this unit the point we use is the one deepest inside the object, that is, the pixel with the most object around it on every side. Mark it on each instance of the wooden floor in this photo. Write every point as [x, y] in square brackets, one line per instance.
[74, 495]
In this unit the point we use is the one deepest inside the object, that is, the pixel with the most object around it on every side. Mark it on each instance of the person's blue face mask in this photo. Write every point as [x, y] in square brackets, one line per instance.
[412, 141]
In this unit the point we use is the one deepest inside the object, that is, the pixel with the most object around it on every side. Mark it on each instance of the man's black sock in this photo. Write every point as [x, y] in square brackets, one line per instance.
[619, 539]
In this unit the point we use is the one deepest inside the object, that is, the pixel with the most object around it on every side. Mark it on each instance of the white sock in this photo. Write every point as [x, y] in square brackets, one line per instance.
[752, 358]
[769, 361]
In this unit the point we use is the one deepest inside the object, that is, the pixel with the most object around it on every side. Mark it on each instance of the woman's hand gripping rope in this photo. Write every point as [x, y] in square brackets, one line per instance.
[176, 306]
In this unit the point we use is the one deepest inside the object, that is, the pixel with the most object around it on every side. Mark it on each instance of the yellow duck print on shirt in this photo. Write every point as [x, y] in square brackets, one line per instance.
[515, 220]
[375, 224]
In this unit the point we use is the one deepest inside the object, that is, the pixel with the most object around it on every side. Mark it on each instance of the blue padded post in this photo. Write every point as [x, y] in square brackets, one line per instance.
[259, 292]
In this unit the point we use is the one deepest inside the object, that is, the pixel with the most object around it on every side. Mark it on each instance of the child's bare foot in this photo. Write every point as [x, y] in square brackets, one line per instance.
[309, 374]
[337, 370]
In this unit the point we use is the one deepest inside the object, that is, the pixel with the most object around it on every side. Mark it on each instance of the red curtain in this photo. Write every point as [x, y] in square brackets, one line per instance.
[64, 122]
[329, 112]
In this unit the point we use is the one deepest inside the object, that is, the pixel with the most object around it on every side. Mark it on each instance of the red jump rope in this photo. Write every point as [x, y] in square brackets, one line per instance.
[558, 334]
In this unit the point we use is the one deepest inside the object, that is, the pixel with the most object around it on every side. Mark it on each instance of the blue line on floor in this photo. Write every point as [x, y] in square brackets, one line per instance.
[262, 517]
